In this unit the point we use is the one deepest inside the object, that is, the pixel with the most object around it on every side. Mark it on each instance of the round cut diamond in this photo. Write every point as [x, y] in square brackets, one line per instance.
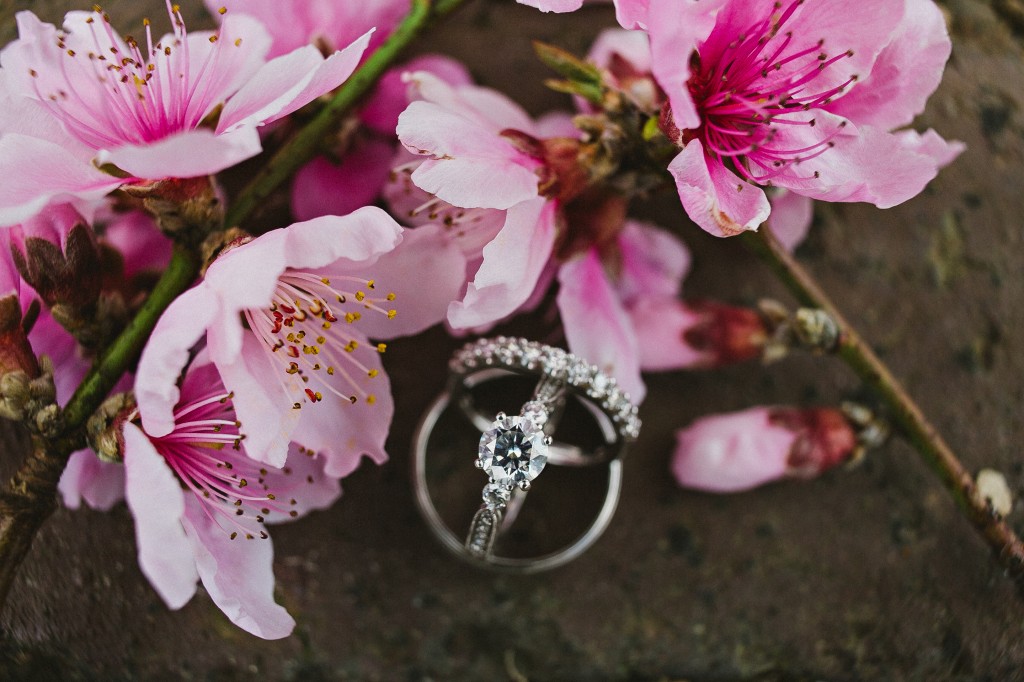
[513, 450]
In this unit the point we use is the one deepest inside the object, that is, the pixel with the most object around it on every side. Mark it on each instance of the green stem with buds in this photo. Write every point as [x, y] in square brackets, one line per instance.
[904, 412]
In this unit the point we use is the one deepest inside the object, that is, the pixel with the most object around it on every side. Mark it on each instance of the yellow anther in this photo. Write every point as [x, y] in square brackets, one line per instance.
[145, 21]
[381, 347]
[372, 373]
[321, 339]
[326, 325]
[351, 317]
[392, 313]
[390, 296]
[360, 296]
[222, 10]
[351, 346]
[238, 42]
[370, 284]
[371, 399]
[213, 39]
[330, 371]
[326, 280]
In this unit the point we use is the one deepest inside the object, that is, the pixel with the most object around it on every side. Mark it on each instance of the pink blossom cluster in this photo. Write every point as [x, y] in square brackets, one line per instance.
[263, 384]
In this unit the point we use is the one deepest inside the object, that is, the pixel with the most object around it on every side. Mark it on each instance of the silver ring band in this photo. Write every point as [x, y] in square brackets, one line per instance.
[560, 374]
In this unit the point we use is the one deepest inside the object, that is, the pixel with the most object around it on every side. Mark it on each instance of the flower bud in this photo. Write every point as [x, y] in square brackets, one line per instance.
[56, 254]
[741, 450]
[698, 334]
[105, 428]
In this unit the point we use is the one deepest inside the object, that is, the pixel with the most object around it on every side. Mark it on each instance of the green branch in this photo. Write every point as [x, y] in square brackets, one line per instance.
[904, 412]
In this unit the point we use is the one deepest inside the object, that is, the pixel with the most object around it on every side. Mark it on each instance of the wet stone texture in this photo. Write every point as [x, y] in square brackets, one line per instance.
[864, 574]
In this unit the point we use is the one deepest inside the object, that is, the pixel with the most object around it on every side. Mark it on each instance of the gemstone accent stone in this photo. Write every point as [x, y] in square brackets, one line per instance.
[513, 450]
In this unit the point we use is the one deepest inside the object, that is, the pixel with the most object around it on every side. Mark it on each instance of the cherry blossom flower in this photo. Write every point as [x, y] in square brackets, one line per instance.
[327, 24]
[794, 95]
[185, 105]
[200, 504]
[286, 319]
[741, 450]
[482, 153]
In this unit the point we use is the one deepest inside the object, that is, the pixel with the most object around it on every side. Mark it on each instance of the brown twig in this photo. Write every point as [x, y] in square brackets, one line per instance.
[904, 412]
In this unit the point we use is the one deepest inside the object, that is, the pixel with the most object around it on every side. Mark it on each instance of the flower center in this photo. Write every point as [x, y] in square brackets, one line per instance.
[142, 95]
[761, 81]
[306, 330]
[204, 450]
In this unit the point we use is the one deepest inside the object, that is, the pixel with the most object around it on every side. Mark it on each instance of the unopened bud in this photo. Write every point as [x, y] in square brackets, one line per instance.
[15, 352]
[57, 254]
[105, 428]
[816, 329]
[742, 450]
[993, 492]
[699, 334]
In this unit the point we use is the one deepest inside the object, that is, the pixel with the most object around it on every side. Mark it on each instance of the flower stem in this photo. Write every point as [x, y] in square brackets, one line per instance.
[904, 412]
[306, 142]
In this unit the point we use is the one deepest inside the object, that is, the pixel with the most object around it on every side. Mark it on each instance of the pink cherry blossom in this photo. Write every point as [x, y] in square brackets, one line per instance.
[794, 95]
[327, 24]
[742, 450]
[286, 319]
[200, 505]
[82, 97]
[480, 155]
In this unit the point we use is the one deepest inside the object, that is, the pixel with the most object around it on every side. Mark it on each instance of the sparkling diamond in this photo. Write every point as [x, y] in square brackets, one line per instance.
[513, 451]
[496, 496]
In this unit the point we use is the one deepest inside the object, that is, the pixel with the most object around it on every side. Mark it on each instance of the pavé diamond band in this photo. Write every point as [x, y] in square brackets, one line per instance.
[513, 450]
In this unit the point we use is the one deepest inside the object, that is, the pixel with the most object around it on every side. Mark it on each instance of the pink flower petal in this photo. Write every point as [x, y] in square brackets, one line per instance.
[426, 272]
[488, 108]
[342, 432]
[188, 154]
[38, 172]
[905, 73]
[632, 14]
[676, 28]
[942, 152]
[714, 197]
[100, 484]
[596, 326]
[633, 46]
[653, 262]
[553, 5]
[263, 398]
[392, 94]
[866, 164]
[512, 262]
[288, 83]
[166, 354]
[323, 187]
[791, 217]
[156, 501]
[137, 238]
[660, 325]
[305, 482]
[472, 167]
[238, 575]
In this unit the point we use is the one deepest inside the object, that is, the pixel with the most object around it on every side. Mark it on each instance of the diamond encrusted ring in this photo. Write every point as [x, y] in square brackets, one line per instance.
[514, 449]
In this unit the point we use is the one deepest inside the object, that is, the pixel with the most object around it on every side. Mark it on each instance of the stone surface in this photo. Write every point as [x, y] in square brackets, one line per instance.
[864, 574]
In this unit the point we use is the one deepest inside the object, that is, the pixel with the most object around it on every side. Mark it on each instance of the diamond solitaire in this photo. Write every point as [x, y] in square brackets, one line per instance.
[514, 450]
